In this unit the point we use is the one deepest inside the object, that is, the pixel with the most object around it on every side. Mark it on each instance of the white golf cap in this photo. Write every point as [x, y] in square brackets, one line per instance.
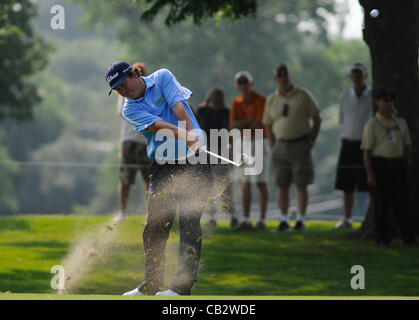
[359, 66]
[243, 74]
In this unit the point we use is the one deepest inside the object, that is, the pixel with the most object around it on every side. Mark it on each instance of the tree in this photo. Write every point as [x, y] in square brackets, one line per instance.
[393, 39]
[22, 53]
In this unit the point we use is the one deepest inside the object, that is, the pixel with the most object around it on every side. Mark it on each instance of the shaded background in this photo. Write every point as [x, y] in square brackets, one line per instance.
[65, 160]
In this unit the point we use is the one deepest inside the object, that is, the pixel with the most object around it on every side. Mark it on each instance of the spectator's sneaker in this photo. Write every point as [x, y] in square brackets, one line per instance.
[283, 227]
[119, 217]
[234, 222]
[244, 226]
[133, 293]
[261, 225]
[299, 226]
[344, 224]
[167, 293]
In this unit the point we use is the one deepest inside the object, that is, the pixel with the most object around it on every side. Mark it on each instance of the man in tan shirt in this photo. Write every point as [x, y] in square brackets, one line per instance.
[386, 143]
[293, 123]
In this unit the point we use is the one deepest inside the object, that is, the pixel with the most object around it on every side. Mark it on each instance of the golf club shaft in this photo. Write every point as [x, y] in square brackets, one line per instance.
[222, 158]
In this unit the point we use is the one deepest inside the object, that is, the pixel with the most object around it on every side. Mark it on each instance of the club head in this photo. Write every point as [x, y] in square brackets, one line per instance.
[245, 160]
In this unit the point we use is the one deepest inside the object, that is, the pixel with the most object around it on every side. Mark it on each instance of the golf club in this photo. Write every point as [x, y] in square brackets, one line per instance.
[244, 159]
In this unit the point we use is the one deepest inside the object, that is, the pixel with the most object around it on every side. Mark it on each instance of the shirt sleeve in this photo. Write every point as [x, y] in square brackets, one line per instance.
[367, 137]
[172, 89]
[139, 119]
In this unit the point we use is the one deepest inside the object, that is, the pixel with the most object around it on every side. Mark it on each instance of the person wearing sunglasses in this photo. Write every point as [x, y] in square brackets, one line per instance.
[355, 109]
[292, 118]
[246, 113]
[386, 145]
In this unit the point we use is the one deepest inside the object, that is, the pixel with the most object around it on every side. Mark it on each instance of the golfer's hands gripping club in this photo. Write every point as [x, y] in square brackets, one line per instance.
[193, 141]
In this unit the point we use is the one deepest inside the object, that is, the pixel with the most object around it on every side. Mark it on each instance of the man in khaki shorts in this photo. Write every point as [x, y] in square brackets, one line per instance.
[288, 113]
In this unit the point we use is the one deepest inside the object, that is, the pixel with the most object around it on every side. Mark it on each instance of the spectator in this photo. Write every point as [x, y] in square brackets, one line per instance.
[246, 113]
[213, 114]
[133, 154]
[287, 116]
[387, 147]
[354, 112]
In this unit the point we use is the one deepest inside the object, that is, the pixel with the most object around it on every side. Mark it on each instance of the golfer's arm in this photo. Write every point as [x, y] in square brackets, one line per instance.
[183, 115]
[165, 128]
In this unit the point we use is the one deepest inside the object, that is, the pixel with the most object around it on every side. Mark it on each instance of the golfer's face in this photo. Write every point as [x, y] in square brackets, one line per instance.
[130, 88]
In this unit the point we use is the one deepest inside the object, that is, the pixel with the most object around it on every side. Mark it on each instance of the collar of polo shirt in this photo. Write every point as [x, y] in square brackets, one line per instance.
[148, 84]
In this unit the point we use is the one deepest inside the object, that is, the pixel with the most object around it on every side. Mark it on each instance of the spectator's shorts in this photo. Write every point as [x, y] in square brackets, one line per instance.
[249, 144]
[350, 173]
[292, 163]
[134, 157]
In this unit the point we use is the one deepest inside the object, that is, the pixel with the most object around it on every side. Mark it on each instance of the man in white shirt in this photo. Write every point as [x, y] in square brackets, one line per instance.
[355, 111]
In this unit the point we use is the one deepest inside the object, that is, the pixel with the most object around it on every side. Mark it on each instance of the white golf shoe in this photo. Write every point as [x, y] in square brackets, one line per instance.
[133, 293]
[168, 293]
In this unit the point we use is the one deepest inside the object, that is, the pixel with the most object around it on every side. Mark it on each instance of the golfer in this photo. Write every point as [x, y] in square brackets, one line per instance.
[156, 106]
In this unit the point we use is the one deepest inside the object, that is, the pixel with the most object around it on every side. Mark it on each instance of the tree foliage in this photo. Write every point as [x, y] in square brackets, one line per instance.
[199, 10]
[22, 53]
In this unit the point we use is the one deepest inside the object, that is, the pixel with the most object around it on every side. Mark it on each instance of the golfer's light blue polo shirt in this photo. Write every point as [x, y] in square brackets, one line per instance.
[162, 93]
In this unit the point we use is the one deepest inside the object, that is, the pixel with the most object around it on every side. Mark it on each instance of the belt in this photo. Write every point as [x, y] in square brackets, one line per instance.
[389, 160]
[294, 140]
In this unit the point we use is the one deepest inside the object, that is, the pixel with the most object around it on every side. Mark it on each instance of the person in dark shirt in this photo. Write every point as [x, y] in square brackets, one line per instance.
[213, 114]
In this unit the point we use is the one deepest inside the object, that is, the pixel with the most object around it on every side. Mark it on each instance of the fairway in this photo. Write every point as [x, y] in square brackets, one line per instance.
[315, 264]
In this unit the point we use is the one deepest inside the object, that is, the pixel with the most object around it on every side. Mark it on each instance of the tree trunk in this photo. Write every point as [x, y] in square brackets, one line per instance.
[393, 39]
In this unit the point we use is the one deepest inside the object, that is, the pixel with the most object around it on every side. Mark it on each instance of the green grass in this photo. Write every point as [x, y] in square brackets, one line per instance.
[314, 263]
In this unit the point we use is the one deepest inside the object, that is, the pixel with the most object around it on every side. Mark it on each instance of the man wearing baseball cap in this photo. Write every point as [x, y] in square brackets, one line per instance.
[355, 109]
[156, 106]
[247, 113]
